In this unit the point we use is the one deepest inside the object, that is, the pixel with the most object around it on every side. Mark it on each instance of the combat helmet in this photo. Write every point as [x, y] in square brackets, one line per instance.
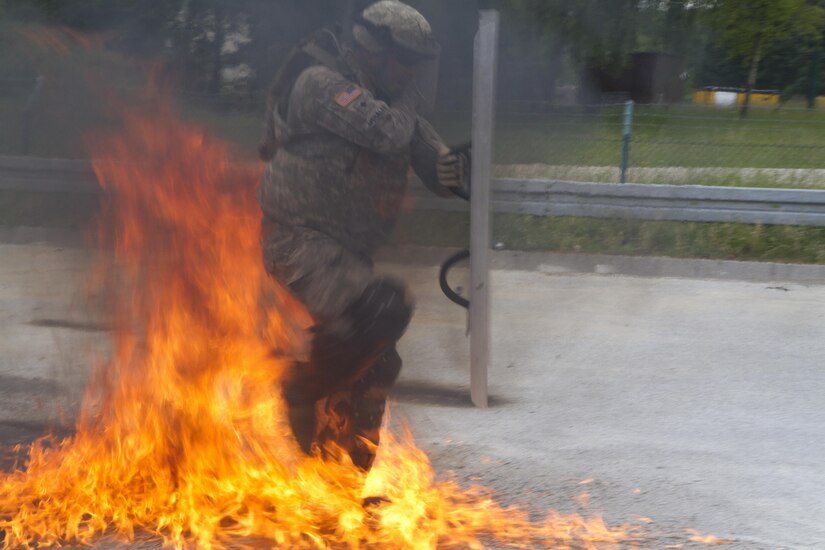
[390, 25]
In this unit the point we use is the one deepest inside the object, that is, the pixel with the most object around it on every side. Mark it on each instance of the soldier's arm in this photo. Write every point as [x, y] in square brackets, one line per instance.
[326, 99]
[426, 147]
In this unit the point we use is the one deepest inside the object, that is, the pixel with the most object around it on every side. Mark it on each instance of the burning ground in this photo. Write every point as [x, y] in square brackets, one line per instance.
[182, 432]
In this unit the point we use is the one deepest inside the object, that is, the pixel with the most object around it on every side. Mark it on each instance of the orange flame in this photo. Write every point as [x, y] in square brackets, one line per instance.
[710, 540]
[61, 40]
[182, 434]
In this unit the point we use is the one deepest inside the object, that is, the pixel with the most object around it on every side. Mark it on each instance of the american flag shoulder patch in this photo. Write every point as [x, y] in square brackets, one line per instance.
[345, 97]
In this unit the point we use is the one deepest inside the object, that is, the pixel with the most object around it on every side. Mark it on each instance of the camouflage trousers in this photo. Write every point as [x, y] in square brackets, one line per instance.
[337, 397]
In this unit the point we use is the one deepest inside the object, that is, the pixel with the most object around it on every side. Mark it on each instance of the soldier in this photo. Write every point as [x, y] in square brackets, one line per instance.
[342, 133]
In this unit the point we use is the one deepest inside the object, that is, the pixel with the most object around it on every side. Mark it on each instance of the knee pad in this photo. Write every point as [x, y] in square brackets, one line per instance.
[338, 358]
[382, 312]
[383, 373]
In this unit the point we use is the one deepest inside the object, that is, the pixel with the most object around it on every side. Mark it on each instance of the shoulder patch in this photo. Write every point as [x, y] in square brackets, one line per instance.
[345, 97]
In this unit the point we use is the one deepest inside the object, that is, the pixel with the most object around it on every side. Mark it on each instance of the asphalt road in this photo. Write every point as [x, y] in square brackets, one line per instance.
[697, 403]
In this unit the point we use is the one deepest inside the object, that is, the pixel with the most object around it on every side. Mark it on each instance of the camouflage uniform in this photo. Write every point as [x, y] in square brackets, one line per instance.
[330, 196]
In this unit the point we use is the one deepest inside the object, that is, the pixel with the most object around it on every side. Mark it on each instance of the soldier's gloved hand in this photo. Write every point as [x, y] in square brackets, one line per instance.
[453, 169]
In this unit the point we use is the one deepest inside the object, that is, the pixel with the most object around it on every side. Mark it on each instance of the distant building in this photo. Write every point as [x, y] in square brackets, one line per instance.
[648, 77]
[654, 77]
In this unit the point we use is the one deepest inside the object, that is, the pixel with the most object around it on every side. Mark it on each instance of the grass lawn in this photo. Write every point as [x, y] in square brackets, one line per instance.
[709, 145]
[677, 135]
[676, 144]
[718, 241]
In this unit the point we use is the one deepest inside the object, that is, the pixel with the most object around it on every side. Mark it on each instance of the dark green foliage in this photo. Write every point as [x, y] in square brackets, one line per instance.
[545, 43]
[749, 29]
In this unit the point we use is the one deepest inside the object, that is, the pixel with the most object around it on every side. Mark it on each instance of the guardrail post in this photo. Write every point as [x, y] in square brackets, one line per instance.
[484, 91]
[626, 131]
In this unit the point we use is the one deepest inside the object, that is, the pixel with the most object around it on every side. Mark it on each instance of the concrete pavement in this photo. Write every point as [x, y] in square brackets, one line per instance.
[694, 402]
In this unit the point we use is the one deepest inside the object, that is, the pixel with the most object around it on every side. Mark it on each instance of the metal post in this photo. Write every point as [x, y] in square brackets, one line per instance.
[484, 91]
[626, 130]
[28, 109]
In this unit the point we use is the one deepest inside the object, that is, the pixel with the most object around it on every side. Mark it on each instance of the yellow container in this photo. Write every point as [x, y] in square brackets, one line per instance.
[703, 97]
[758, 99]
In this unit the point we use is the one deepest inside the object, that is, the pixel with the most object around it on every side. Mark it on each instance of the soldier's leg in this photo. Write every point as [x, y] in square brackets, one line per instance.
[326, 279]
[356, 369]
[358, 317]
[352, 418]
[343, 352]
[303, 421]
[369, 401]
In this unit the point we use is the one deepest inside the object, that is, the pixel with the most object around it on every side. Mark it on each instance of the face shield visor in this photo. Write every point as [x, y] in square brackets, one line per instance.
[426, 80]
[426, 63]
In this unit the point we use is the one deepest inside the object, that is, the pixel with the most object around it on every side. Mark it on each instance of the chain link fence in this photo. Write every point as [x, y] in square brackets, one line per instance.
[669, 144]
[43, 117]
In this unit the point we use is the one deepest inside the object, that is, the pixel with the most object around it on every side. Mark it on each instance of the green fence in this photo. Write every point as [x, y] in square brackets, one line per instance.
[676, 144]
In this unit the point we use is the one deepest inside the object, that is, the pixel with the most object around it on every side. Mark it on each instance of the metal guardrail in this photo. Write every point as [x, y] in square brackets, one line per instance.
[517, 196]
[695, 203]
[47, 175]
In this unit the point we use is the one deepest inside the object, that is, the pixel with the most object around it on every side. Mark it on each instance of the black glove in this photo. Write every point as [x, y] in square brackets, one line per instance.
[453, 169]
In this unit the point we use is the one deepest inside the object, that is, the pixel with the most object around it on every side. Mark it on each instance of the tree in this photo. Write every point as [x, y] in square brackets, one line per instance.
[592, 37]
[749, 28]
[595, 38]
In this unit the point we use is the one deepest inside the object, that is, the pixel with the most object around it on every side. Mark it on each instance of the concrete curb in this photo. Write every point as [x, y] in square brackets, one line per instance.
[52, 236]
[635, 266]
[543, 262]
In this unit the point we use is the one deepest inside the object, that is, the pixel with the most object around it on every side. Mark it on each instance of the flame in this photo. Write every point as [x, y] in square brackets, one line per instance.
[182, 435]
[61, 40]
[710, 540]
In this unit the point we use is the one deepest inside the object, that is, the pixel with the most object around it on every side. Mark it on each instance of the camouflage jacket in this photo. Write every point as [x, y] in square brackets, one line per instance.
[342, 164]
